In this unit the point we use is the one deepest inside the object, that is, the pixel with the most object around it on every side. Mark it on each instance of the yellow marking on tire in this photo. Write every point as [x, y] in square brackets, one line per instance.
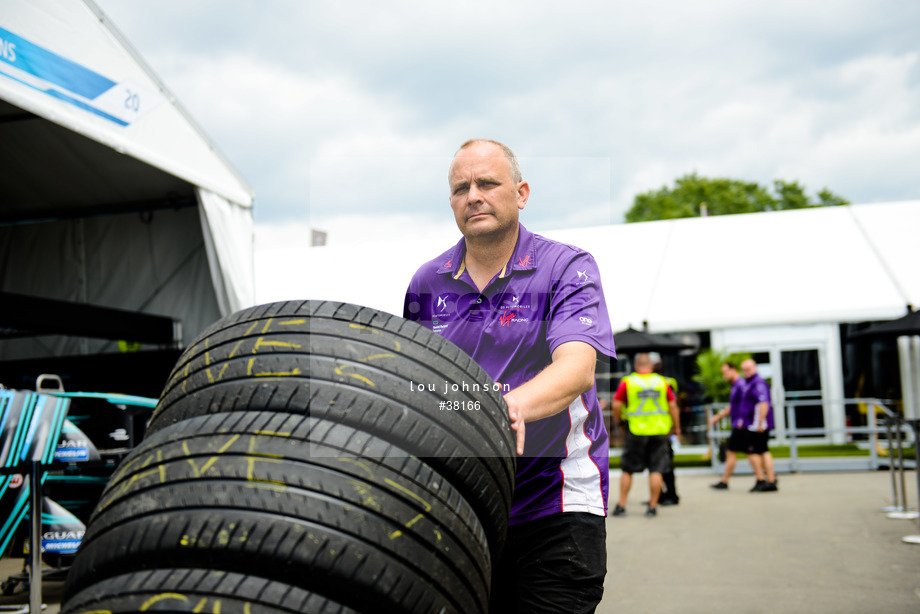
[418, 517]
[339, 371]
[260, 342]
[252, 361]
[278, 373]
[357, 462]
[240, 342]
[157, 598]
[377, 356]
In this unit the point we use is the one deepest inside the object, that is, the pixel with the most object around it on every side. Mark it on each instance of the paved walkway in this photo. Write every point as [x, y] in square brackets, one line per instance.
[819, 546]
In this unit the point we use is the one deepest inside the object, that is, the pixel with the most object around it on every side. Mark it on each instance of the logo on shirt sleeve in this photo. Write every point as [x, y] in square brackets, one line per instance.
[582, 277]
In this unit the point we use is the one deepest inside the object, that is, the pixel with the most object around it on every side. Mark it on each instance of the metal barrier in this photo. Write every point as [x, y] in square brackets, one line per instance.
[902, 510]
[894, 425]
[794, 435]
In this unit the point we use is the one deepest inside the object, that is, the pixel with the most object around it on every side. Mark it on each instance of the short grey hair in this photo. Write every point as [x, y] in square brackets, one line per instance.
[516, 175]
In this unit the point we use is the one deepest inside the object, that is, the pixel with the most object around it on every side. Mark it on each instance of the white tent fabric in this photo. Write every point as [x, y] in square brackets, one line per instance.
[802, 266]
[832, 264]
[69, 64]
[97, 166]
[160, 268]
[228, 237]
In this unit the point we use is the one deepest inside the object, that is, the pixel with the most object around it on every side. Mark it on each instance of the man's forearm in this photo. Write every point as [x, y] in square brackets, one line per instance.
[762, 409]
[569, 375]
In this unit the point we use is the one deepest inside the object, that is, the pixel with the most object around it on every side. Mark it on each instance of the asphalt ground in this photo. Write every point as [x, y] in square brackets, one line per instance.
[819, 545]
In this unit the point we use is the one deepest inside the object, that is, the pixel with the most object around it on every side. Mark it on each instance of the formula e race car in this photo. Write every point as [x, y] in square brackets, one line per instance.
[69, 443]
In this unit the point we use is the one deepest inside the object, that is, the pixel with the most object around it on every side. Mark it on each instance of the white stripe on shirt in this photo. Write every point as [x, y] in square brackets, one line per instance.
[581, 479]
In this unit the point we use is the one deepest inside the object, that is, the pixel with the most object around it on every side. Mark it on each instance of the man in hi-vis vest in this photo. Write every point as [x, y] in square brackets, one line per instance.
[648, 405]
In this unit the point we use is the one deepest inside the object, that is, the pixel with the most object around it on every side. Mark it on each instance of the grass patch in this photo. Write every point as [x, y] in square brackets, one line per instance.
[819, 451]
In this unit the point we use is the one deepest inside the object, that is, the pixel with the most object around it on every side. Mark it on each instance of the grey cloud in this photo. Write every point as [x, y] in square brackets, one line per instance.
[652, 89]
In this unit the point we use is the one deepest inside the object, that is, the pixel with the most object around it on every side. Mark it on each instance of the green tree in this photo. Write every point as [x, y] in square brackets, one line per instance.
[723, 197]
[709, 373]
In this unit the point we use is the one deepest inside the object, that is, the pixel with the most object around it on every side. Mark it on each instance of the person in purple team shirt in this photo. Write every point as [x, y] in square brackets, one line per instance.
[758, 420]
[738, 440]
[532, 313]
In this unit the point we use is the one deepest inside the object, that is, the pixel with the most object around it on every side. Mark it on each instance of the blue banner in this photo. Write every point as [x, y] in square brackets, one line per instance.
[48, 66]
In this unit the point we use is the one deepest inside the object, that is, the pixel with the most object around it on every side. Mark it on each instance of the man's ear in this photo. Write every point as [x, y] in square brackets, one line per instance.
[523, 194]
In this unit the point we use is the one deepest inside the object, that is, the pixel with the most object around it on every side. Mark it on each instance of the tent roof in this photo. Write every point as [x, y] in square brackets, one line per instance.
[831, 264]
[632, 340]
[828, 264]
[50, 172]
[111, 197]
[87, 125]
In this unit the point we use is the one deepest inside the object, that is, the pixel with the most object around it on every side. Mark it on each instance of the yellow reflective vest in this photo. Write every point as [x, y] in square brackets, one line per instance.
[647, 404]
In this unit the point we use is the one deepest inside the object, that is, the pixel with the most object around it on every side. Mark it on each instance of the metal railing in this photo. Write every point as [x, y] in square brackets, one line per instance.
[794, 436]
[900, 508]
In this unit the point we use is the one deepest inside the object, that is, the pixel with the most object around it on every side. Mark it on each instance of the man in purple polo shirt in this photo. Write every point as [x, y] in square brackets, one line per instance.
[738, 440]
[758, 420]
[532, 313]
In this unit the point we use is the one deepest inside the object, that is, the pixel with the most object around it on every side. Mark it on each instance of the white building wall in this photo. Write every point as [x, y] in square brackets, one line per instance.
[825, 338]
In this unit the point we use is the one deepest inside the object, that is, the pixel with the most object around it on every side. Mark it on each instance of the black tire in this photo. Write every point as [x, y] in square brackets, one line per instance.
[275, 492]
[197, 590]
[356, 365]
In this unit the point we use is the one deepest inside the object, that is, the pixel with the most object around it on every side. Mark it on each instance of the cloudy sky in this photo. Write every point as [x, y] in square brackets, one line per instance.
[344, 114]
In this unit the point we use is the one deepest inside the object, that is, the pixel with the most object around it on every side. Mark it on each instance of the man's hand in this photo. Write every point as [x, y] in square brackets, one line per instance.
[570, 374]
[516, 414]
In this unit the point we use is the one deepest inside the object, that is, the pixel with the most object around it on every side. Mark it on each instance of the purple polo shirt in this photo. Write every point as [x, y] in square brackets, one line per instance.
[734, 402]
[755, 391]
[547, 294]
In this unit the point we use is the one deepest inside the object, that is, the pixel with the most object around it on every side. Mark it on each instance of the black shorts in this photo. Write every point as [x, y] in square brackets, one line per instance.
[641, 452]
[738, 440]
[552, 564]
[757, 442]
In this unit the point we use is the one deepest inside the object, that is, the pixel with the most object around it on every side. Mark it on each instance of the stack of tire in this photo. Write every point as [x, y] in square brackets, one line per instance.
[307, 457]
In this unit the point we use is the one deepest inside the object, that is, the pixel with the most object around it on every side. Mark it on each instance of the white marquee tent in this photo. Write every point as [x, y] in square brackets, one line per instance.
[111, 198]
[831, 264]
[773, 283]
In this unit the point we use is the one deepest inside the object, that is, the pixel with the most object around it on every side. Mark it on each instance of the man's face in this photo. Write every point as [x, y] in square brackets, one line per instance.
[748, 368]
[728, 373]
[484, 197]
